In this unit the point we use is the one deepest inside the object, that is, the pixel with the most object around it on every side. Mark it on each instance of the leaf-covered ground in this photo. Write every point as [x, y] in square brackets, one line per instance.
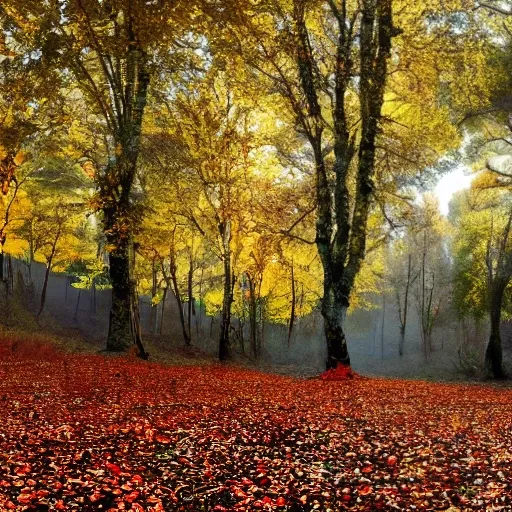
[82, 432]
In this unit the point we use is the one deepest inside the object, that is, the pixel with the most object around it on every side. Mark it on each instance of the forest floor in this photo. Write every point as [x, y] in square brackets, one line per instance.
[85, 432]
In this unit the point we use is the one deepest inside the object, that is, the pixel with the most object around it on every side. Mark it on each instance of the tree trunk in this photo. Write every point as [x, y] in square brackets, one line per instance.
[403, 316]
[253, 322]
[190, 305]
[401, 342]
[10, 275]
[179, 303]
[493, 353]
[77, 305]
[45, 286]
[225, 323]
[382, 327]
[49, 264]
[120, 337]
[173, 284]
[115, 193]
[162, 311]
[154, 289]
[135, 310]
[292, 310]
[226, 311]
[334, 312]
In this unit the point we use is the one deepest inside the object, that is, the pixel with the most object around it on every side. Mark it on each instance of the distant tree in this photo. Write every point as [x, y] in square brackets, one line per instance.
[402, 274]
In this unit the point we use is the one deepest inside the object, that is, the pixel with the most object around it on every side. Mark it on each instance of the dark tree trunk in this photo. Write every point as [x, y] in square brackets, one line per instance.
[179, 304]
[225, 322]
[3, 281]
[190, 304]
[401, 342]
[227, 300]
[43, 291]
[199, 317]
[154, 289]
[115, 190]
[162, 311]
[135, 310]
[77, 305]
[49, 265]
[493, 353]
[10, 275]
[172, 283]
[292, 309]
[253, 321]
[402, 312]
[120, 337]
[334, 311]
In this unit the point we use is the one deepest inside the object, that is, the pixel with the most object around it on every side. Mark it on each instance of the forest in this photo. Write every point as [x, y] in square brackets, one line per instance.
[255, 254]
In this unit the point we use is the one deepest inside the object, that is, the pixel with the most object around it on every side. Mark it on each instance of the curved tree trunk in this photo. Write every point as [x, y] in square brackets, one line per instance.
[49, 265]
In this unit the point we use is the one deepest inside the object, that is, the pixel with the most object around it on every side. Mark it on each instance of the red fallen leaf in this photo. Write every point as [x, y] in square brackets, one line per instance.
[41, 493]
[20, 471]
[163, 439]
[137, 507]
[60, 505]
[266, 500]
[25, 498]
[137, 479]
[113, 468]
[367, 469]
[94, 497]
[239, 493]
[10, 505]
[280, 502]
[364, 491]
[132, 496]
[246, 481]
[392, 460]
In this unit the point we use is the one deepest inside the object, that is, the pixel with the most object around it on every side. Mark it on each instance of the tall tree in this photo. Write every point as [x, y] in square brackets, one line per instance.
[112, 50]
[360, 38]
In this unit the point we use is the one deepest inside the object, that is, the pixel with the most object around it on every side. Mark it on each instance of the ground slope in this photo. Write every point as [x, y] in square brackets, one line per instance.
[85, 432]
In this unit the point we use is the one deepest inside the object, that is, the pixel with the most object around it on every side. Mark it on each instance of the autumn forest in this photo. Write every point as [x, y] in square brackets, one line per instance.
[255, 255]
